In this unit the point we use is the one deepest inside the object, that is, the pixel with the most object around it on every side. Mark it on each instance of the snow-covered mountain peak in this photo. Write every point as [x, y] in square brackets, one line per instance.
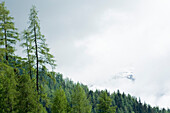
[128, 75]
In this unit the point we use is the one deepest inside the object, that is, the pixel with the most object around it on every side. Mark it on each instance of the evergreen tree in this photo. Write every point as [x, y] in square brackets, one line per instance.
[7, 89]
[60, 102]
[41, 50]
[8, 33]
[79, 102]
[26, 98]
[104, 105]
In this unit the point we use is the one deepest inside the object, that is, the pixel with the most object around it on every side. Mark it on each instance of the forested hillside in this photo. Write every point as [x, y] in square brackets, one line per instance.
[28, 86]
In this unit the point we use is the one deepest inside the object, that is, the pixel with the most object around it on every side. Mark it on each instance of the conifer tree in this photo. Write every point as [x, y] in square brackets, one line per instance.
[26, 98]
[7, 89]
[8, 32]
[42, 55]
[104, 105]
[79, 102]
[60, 102]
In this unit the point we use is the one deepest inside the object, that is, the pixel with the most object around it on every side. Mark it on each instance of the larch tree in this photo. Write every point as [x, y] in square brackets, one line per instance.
[42, 55]
[8, 32]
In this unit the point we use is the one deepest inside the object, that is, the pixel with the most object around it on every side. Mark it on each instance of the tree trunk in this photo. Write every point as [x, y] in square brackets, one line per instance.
[5, 32]
[6, 46]
[36, 53]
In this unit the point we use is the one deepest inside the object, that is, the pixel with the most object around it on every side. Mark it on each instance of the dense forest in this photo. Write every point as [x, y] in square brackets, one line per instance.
[28, 86]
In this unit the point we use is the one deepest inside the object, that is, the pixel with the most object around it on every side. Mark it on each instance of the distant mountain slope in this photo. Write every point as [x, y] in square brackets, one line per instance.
[125, 103]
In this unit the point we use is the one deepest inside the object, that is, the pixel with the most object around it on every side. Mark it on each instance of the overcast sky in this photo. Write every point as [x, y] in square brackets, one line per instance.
[92, 40]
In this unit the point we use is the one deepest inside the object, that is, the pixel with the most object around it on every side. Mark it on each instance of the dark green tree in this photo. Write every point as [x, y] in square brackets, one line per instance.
[7, 89]
[79, 101]
[104, 105]
[27, 95]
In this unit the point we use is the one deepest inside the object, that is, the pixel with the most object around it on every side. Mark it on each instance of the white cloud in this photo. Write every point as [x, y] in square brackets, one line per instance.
[139, 38]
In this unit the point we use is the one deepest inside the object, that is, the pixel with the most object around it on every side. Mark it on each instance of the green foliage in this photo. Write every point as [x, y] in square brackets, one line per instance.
[8, 33]
[60, 102]
[27, 96]
[42, 55]
[41, 48]
[27, 44]
[2, 54]
[104, 105]
[79, 102]
[7, 89]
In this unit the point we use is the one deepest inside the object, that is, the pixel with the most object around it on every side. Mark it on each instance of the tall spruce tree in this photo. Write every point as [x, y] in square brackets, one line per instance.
[79, 101]
[8, 32]
[42, 55]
